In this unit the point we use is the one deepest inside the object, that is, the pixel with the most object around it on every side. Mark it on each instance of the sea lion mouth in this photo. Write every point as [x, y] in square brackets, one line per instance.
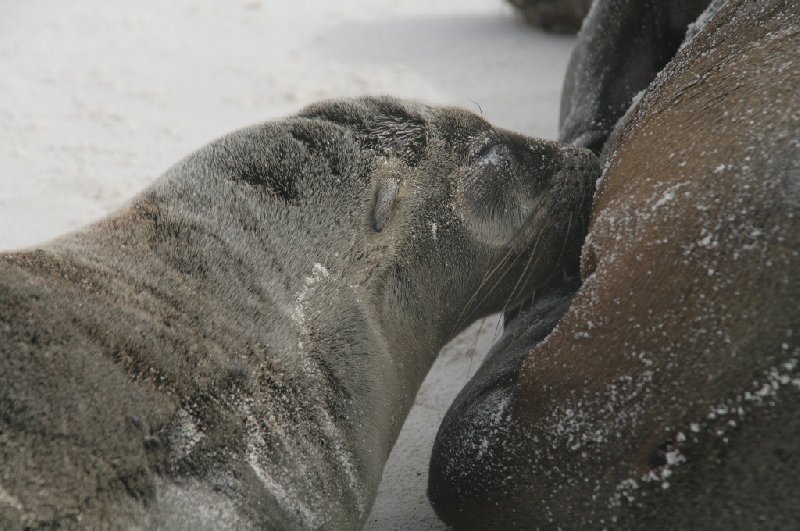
[582, 160]
[573, 182]
[578, 176]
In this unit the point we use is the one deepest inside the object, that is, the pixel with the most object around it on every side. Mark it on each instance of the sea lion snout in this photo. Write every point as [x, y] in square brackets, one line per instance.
[514, 181]
[555, 161]
[580, 159]
[580, 168]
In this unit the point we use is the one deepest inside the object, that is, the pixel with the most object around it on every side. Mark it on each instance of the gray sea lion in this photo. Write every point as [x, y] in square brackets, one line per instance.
[239, 346]
[621, 48]
[666, 396]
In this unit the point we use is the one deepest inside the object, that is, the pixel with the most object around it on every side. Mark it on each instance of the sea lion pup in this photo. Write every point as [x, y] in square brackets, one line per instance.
[666, 397]
[240, 345]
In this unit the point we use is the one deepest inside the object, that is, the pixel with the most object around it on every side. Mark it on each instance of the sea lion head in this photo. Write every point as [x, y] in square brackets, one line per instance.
[466, 219]
[437, 216]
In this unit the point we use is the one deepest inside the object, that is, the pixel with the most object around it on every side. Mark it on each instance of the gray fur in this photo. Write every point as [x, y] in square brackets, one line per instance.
[239, 346]
[388, 189]
[622, 46]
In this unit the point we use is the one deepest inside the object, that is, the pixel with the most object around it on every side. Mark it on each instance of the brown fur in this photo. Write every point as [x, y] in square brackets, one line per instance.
[666, 397]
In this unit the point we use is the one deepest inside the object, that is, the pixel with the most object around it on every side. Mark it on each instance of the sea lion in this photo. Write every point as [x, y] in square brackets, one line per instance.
[240, 345]
[667, 394]
[560, 16]
[620, 49]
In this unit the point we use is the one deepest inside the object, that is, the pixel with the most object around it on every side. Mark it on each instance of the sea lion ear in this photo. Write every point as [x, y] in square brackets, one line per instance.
[388, 190]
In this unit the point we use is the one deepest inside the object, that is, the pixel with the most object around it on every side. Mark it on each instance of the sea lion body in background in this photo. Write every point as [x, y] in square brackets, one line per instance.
[666, 396]
[562, 16]
[240, 345]
[620, 49]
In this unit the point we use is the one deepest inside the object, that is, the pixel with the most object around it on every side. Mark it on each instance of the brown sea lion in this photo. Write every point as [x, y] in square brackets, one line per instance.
[666, 396]
[240, 345]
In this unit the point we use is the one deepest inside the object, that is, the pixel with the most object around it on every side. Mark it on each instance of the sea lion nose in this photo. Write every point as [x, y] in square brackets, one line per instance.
[582, 166]
[577, 164]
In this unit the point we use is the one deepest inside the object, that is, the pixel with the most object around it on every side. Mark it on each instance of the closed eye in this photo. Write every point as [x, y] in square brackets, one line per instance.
[488, 148]
[491, 154]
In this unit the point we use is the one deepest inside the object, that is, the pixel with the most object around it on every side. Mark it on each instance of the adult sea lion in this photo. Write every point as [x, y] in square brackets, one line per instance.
[666, 396]
[240, 345]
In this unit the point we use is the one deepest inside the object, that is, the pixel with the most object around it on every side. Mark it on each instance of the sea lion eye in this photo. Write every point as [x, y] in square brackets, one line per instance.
[491, 154]
[385, 199]
[389, 179]
[488, 149]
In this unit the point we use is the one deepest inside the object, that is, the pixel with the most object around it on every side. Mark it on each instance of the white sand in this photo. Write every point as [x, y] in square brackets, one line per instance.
[99, 98]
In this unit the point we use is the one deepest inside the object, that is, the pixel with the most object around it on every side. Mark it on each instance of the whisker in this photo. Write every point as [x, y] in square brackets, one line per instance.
[471, 350]
[566, 237]
[524, 271]
[520, 236]
[468, 305]
[530, 263]
[533, 259]
[548, 216]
